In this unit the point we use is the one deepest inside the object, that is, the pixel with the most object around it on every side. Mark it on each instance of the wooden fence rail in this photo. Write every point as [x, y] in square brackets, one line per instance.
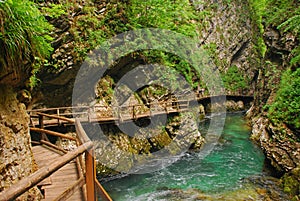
[119, 114]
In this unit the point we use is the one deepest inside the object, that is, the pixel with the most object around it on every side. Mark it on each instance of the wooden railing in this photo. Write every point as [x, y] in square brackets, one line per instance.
[102, 114]
[84, 156]
[113, 114]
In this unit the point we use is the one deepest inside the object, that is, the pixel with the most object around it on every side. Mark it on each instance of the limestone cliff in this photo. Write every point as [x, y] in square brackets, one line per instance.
[225, 31]
[15, 147]
[22, 32]
[279, 141]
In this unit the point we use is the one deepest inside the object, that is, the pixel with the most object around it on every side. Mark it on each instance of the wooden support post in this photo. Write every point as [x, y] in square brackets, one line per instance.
[104, 195]
[90, 175]
[41, 121]
[57, 112]
[89, 115]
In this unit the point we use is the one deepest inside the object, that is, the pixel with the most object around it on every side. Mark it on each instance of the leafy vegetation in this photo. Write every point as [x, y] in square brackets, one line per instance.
[174, 15]
[286, 107]
[285, 15]
[24, 38]
[257, 8]
[233, 80]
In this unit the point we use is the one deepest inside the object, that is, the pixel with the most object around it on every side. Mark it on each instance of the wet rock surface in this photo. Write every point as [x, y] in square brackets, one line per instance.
[120, 152]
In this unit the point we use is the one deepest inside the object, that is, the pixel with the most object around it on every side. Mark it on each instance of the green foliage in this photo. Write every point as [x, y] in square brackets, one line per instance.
[173, 15]
[257, 8]
[24, 35]
[278, 11]
[233, 80]
[286, 107]
[54, 10]
[293, 24]
[285, 15]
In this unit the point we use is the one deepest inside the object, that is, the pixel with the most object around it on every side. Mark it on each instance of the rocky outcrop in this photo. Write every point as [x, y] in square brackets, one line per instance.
[15, 146]
[227, 34]
[279, 143]
[230, 105]
[126, 147]
[282, 150]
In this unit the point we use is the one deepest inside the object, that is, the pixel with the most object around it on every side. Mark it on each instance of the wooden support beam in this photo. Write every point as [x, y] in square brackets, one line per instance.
[25, 184]
[39, 130]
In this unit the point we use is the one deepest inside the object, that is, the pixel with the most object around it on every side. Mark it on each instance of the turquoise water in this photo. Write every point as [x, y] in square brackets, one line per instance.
[234, 158]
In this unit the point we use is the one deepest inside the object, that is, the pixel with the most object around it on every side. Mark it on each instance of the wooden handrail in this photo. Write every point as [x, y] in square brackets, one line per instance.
[104, 195]
[40, 130]
[82, 136]
[25, 184]
[56, 117]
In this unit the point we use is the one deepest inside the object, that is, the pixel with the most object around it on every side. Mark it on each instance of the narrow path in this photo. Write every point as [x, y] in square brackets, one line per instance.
[59, 181]
[105, 114]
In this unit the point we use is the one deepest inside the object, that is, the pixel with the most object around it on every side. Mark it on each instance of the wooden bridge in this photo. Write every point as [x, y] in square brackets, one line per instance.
[70, 174]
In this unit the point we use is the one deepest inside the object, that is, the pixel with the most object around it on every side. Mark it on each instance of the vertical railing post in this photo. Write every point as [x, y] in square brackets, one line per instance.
[89, 114]
[57, 112]
[90, 175]
[41, 123]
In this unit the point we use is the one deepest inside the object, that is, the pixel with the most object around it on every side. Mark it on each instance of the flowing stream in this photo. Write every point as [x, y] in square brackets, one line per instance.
[234, 159]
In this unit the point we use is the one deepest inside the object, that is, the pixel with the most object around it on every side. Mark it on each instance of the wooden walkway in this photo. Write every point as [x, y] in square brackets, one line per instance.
[61, 174]
[104, 114]
[59, 181]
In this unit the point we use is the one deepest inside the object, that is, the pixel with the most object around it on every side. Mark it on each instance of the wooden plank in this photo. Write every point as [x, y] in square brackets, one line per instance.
[71, 190]
[46, 156]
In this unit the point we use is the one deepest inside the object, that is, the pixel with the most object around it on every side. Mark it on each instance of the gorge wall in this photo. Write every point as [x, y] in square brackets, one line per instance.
[15, 146]
[225, 31]
[279, 142]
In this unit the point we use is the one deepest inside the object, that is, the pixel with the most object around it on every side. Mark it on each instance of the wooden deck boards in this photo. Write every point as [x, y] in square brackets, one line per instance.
[59, 181]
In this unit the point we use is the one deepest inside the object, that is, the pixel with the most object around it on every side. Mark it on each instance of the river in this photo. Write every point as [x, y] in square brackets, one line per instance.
[233, 161]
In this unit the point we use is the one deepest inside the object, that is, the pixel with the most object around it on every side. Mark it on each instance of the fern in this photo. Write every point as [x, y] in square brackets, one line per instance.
[24, 36]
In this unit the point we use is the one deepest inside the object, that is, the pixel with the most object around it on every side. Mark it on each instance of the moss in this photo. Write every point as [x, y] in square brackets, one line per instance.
[291, 183]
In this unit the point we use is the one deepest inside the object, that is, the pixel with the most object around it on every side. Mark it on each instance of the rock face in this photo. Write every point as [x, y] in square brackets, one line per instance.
[125, 152]
[228, 35]
[15, 146]
[279, 143]
[225, 31]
